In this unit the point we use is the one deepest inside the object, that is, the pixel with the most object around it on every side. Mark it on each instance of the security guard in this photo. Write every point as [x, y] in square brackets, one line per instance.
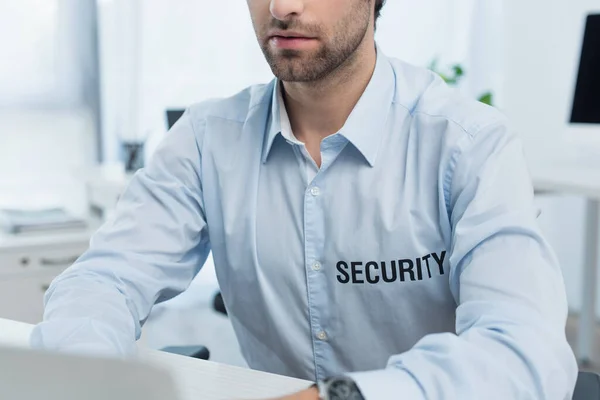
[372, 230]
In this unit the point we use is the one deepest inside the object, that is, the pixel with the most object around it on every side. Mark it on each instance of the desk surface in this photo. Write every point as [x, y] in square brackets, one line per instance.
[196, 379]
[568, 168]
[566, 177]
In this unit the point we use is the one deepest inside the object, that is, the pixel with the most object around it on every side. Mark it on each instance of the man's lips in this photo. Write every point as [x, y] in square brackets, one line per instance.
[291, 42]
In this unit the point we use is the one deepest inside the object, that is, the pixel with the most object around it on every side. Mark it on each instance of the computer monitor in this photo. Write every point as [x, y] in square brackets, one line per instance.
[173, 116]
[586, 100]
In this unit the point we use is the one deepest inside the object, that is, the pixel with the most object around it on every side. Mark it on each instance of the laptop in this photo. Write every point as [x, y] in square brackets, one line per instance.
[34, 375]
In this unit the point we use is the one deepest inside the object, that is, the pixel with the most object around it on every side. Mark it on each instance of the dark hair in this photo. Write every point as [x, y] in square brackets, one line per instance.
[378, 6]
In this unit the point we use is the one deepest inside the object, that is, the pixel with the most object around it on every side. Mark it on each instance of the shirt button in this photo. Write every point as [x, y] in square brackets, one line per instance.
[315, 191]
[316, 266]
[322, 336]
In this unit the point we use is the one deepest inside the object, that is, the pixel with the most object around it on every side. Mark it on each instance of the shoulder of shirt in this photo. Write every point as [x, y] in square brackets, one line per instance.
[424, 94]
[418, 90]
[234, 108]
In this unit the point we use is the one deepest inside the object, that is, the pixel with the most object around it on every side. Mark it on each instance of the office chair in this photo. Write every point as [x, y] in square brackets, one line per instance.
[588, 387]
[199, 351]
[173, 115]
[219, 304]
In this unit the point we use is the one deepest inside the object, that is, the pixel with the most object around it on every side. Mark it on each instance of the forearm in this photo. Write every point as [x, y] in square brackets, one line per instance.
[86, 311]
[519, 356]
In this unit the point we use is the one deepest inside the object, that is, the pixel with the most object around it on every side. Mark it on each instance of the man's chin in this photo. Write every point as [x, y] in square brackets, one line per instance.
[294, 71]
[293, 77]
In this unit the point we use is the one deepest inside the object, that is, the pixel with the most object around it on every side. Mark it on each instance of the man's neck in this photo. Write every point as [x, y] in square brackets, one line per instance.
[319, 109]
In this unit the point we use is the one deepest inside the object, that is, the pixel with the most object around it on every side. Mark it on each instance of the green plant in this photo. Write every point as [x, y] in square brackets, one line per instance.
[453, 77]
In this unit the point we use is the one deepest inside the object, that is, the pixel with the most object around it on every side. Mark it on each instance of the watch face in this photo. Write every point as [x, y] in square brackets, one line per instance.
[343, 389]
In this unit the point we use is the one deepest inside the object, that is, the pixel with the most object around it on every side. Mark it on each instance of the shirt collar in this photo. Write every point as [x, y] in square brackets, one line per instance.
[365, 125]
[285, 126]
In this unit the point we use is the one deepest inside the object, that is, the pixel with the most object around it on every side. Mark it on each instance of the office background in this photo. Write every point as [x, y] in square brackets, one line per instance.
[81, 76]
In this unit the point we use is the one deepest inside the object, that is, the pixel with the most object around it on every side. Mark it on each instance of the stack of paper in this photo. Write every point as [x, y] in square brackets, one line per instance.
[16, 221]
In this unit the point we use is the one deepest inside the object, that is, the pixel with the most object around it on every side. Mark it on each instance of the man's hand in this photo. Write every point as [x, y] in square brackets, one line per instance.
[311, 393]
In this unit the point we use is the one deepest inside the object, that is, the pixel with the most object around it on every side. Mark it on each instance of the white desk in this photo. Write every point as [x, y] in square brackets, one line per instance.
[580, 177]
[196, 379]
[28, 263]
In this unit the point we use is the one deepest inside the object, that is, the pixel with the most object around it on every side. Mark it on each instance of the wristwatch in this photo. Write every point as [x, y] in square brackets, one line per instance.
[339, 388]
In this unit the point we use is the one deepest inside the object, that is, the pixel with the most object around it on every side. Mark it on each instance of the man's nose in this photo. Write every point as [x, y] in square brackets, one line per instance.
[285, 9]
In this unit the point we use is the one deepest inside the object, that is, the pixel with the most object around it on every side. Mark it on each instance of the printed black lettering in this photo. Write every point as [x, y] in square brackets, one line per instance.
[419, 271]
[405, 270]
[393, 272]
[408, 269]
[368, 267]
[426, 259]
[356, 272]
[440, 261]
[343, 276]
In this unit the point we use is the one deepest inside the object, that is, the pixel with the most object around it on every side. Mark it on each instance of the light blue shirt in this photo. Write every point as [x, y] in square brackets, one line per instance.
[410, 259]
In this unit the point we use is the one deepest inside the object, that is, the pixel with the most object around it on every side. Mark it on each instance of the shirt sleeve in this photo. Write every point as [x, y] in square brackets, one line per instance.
[147, 253]
[510, 322]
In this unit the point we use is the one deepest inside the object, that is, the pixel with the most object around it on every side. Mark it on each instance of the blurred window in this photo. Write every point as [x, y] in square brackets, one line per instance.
[48, 53]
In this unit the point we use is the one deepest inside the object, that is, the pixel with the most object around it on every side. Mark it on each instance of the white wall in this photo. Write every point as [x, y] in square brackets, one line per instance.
[43, 158]
[47, 130]
[186, 52]
[543, 40]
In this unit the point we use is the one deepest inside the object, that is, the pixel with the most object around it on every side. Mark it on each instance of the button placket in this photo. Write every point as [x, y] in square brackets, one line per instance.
[316, 286]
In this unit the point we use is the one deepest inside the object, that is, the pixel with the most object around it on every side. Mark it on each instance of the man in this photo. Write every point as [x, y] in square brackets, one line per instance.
[360, 213]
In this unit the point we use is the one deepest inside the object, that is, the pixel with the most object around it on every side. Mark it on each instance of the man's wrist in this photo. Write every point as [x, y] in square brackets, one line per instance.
[338, 388]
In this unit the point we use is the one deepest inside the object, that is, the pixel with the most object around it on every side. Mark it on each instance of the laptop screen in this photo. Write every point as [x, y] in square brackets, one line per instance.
[586, 102]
